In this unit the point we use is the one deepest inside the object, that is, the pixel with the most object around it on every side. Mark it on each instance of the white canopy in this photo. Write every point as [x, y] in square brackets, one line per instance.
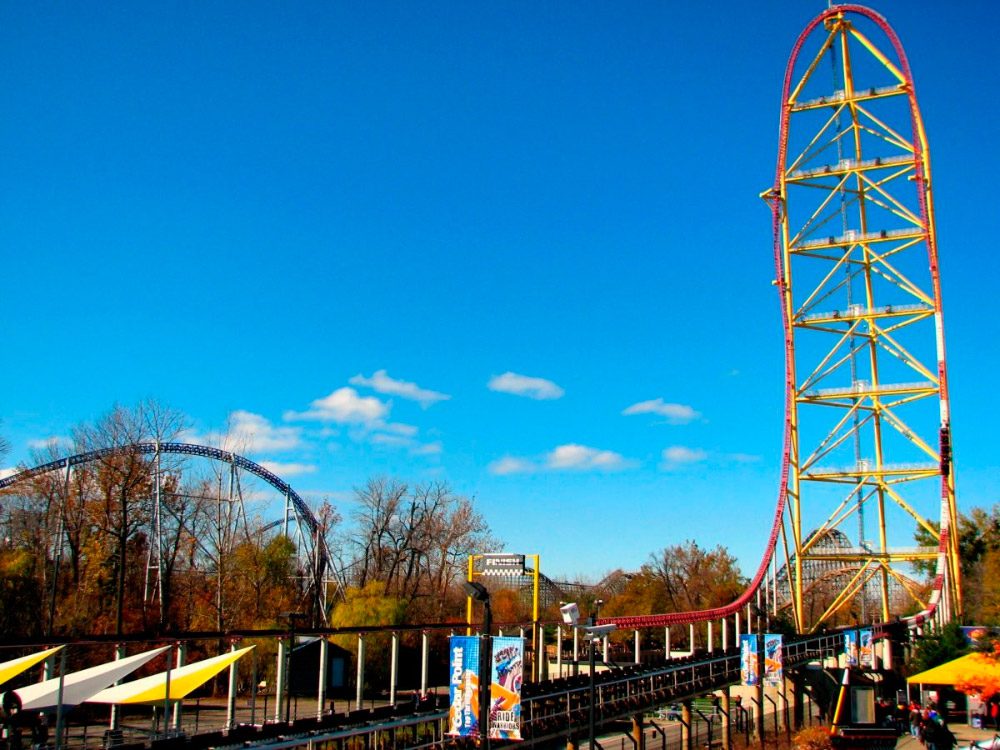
[83, 685]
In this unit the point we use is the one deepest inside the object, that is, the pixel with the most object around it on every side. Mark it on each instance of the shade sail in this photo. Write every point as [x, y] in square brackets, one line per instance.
[82, 685]
[14, 667]
[183, 680]
[963, 669]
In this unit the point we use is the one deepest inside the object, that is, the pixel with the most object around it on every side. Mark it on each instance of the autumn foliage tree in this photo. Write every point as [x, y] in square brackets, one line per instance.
[680, 578]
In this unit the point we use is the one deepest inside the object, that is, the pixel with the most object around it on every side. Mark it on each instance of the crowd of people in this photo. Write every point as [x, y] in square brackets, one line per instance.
[929, 726]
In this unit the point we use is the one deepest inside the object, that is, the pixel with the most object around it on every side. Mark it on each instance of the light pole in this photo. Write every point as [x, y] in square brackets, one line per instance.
[761, 670]
[292, 618]
[593, 633]
[477, 591]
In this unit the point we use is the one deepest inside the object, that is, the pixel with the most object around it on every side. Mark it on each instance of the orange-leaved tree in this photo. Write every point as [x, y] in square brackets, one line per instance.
[983, 675]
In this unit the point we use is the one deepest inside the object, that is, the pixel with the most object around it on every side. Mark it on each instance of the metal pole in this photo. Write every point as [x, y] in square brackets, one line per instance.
[115, 710]
[760, 683]
[166, 694]
[535, 635]
[559, 642]
[591, 724]
[425, 650]
[393, 668]
[282, 678]
[324, 648]
[181, 655]
[60, 722]
[485, 673]
[231, 695]
[359, 692]
[638, 647]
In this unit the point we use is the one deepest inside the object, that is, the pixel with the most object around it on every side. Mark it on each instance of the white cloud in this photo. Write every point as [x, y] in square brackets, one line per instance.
[380, 382]
[259, 434]
[248, 433]
[569, 457]
[678, 455]
[674, 413]
[511, 465]
[54, 441]
[582, 457]
[382, 438]
[397, 428]
[4, 473]
[744, 458]
[523, 385]
[285, 470]
[428, 449]
[344, 406]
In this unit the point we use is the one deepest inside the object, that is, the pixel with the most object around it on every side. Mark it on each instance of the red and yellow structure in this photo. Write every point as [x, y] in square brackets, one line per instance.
[868, 434]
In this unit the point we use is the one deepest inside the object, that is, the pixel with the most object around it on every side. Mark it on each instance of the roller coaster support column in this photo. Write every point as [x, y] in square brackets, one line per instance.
[638, 647]
[691, 637]
[711, 637]
[725, 633]
[666, 642]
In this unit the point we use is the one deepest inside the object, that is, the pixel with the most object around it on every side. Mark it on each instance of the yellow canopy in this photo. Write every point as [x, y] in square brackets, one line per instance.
[963, 669]
[183, 680]
[14, 667]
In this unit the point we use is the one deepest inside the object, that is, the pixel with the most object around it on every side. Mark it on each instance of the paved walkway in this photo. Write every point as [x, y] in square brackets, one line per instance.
[965, 735]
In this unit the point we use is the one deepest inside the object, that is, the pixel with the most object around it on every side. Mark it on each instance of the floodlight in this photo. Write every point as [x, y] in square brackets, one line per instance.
[597, 632]
[476, 590]
[570, 613]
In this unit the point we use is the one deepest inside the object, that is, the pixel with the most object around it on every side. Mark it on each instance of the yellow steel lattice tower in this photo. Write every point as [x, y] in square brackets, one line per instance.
[868, 430]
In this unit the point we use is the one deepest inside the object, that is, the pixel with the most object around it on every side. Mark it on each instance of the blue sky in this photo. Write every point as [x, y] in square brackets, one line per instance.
[514, 246]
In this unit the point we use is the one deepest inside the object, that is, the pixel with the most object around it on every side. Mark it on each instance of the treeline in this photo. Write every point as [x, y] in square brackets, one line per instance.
[78, 552]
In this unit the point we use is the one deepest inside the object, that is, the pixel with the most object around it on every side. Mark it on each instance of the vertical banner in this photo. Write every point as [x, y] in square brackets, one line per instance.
[773, 665]
[851, 648]
[463, 681]
[748, 659]
[506, 667]
[865, 652]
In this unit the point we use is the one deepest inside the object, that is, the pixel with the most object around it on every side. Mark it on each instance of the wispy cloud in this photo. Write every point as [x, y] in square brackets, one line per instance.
[583, 458]
[54, 441]
[512, 465]
[524, 385]
[569, 457]
[286, 470]
[343, 406]
[4, 473]
[679, 455]
[380, 382]
[673, 413]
